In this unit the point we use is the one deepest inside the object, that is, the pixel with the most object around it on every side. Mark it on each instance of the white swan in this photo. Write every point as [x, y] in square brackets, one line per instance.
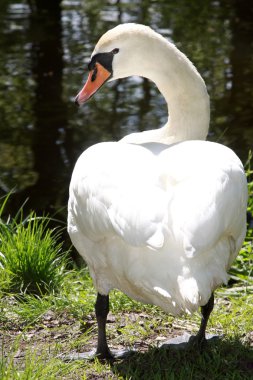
[159, 215]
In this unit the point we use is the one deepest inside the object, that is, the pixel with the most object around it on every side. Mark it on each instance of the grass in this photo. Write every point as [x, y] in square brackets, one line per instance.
[32, 348]
[47, 312]
[31, 257]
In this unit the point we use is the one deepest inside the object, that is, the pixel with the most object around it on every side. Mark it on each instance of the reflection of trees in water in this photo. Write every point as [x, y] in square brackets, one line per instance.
[16, 156]
[241, 95]
[17, 167]
[43, 65]
[50, 116]
[42, 184]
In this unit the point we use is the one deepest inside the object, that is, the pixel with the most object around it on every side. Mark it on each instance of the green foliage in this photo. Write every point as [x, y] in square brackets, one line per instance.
[36, 366]
[76, 297]
[31, 256]
[229, 358]
[222, 360]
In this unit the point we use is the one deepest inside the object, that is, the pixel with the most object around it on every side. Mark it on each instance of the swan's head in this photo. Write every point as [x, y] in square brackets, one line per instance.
[116, 56]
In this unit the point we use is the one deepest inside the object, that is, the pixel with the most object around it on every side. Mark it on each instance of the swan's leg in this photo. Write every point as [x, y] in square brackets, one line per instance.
[206, 310]
[102, 351]
[102, 310]
[198, 341]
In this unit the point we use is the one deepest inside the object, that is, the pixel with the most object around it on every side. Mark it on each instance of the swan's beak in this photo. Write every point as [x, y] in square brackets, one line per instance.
[97, 77]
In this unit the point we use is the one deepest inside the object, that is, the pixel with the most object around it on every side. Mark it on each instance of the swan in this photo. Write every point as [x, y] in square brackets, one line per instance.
[161, 214]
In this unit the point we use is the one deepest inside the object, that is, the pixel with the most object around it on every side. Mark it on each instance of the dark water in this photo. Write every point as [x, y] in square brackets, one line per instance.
[45, 46]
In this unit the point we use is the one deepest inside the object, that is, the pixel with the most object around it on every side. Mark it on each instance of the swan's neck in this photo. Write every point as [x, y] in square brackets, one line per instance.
[181, 85]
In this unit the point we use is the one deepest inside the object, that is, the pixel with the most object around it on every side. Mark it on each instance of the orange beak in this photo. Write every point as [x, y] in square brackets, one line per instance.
[97, 77]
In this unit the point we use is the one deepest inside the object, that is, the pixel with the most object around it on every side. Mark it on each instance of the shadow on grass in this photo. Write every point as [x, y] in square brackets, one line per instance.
[223, 359]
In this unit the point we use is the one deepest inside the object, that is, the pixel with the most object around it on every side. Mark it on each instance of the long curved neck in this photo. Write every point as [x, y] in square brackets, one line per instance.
[182, 87]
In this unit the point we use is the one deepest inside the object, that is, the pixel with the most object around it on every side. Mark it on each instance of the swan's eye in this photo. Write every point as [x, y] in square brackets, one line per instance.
[105, 59]
[91, 65]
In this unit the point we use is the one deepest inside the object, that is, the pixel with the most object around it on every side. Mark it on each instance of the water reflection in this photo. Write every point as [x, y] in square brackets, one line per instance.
[45, 46]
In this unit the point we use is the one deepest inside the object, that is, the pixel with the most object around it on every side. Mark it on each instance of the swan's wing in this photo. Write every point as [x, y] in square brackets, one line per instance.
[138, 216]
[209, 199]
[119, 197]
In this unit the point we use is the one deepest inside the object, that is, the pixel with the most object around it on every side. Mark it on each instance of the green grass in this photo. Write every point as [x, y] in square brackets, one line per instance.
[42, 342]
[47, 311]
[221, 360]
[36, 365]
[31, 256]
